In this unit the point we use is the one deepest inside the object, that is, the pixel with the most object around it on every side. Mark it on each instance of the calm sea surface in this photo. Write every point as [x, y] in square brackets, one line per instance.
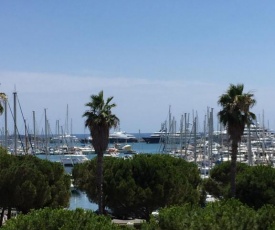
[79, 199]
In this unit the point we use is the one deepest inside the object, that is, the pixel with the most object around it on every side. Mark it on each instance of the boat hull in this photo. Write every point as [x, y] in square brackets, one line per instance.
[121, 140]
[113, 140]
[151, 140]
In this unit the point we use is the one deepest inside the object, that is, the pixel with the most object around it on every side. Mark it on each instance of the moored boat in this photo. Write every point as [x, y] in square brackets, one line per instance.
[154, 138]
[122, 137]
[71, 159]
[116, 137]
[117, 149]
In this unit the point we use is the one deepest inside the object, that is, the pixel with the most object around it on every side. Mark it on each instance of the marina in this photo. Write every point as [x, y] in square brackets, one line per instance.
[205, 151]
[206, 147]
[182, 139]
[205, 154]
[149, 110]
[79, 199]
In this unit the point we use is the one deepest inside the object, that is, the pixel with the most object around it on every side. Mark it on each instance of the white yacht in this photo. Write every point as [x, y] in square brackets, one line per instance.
[122, 137]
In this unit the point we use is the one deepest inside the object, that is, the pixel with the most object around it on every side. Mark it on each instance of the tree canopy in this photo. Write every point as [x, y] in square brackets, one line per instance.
[138, 186]
[52, 219]
[227, 214]
[255, 185]
[28, 182]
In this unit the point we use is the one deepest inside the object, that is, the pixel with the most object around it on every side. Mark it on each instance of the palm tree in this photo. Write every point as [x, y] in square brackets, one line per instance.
[2, 97]
[235, 115]
[99, 120]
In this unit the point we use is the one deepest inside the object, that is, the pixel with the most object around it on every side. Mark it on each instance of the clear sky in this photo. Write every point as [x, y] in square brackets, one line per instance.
[148, 55]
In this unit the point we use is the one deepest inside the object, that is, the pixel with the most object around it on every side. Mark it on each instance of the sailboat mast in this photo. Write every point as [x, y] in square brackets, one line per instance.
[210, 143]
[185, 133]
[15, 127]
[71, 127]
[26, 138]
[195, 139]
[181, 132]
[34, 130]
[67, 121]
[6, 123]
[250, 160]
[169, 122]
[46, 134]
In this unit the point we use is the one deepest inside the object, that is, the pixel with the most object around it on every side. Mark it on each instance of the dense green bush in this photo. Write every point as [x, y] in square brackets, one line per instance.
[255, 185]
[218, 184]
[138, 186]
[53, 219]
[266, 217]
[226, 215]
[28, 182]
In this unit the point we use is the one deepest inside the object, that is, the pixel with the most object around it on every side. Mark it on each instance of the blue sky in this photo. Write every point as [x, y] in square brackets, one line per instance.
[149, 55]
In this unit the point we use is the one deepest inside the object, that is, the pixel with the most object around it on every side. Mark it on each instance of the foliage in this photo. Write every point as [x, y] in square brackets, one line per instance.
[255, 185]
[99, 120]
[28, 182]
[6, 187]
[138, 186]
[230, 214]
[52, 219]
[266, 217]
[218, 184]
[3, 97]
[85, 177]
[235, 114]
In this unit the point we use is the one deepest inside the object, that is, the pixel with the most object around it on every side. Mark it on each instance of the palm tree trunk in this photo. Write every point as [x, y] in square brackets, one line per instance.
[233, 171]
[2, 216]
[100, 182]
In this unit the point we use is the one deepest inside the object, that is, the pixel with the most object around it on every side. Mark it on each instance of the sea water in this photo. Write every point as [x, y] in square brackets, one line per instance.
[80, 200]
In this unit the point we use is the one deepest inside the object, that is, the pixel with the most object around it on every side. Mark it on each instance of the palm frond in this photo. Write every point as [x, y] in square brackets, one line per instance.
[236, 107]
